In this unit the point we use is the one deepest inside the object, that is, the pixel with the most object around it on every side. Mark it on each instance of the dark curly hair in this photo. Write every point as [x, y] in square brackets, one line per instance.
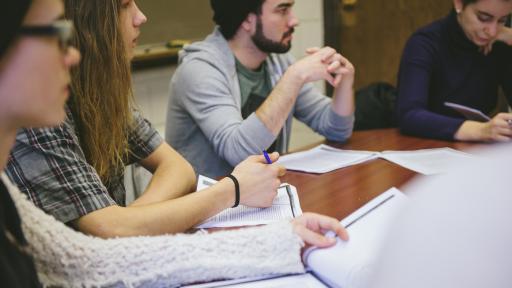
[229, 14]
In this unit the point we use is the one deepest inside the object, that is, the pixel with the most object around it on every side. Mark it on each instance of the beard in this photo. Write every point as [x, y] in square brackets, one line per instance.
[267, 45]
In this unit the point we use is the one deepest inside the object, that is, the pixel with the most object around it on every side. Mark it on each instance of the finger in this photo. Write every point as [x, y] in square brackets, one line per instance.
[281, 170]
[312, 50]
[274, 156]
[345, 62]
[340, 71]
[506, 116]
[501, 124]
[501, 138]
[333, 66]
[487, 50]
[313, 238]
[258, 159]
[337, 80]
[327, 52]
[327, 223]
[329, 78]
[504, 131]
[338, 57]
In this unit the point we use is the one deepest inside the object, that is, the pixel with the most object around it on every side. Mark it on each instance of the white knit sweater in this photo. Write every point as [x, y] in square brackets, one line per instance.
[68, 258]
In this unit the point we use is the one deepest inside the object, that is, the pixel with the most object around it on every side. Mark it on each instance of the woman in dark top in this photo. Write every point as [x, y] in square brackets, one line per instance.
[29, 43]
[446, 62]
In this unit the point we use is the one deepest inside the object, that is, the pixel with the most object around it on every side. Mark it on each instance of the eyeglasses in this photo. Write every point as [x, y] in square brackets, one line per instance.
[63, 29]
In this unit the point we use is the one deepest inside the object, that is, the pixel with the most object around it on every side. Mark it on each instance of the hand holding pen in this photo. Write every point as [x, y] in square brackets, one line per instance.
[267, 158]
[271, 159]
[499, 128]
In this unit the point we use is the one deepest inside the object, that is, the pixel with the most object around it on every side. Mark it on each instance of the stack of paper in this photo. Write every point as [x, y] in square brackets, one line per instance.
[323, 158]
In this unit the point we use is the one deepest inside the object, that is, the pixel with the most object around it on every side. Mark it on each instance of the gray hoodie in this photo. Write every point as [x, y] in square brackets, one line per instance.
[204, 119]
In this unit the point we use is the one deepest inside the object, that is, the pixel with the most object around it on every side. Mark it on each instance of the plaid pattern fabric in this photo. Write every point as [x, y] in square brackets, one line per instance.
[50, 167]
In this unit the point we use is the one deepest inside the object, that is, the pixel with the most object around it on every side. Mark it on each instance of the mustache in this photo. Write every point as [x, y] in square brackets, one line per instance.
[289, 32]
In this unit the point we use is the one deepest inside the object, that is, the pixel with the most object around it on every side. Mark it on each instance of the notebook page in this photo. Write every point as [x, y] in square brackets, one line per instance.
[285, 206]
[349, 263]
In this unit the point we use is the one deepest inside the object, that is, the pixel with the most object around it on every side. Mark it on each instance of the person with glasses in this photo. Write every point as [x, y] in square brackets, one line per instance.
[34, 79]
[75, 171]
[446, 61]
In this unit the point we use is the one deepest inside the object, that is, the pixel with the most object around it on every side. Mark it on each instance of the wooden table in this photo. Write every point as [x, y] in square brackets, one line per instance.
[342, 191]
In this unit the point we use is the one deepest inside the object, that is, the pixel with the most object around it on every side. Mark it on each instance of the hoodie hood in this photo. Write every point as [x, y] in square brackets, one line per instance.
[213, 50]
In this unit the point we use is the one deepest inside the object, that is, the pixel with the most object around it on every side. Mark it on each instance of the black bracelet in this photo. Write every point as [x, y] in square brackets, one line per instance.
[237, 190]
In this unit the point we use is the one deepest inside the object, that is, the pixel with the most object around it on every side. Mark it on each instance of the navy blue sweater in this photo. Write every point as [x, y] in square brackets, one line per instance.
[440, 64]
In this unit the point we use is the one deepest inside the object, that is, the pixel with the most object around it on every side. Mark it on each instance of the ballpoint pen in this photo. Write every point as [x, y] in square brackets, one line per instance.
[267, 157]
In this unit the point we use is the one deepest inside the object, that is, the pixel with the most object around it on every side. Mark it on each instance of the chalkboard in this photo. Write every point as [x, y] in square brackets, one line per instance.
[175, 19]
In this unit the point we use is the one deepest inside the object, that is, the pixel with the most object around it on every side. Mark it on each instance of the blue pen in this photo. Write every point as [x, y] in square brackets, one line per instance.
[267, 157]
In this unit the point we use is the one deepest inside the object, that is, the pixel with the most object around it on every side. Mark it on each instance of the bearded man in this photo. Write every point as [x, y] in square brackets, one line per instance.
[235, 93]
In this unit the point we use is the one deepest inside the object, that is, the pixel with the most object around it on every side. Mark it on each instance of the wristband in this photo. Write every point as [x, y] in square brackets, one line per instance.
[237, 190]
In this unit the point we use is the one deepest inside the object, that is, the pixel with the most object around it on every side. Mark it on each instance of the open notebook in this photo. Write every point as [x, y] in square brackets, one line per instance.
[348, 263]
[323, 159]
[285, 206]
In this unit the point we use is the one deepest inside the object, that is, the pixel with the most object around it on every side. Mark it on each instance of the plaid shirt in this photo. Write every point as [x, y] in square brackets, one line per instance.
[50, 167]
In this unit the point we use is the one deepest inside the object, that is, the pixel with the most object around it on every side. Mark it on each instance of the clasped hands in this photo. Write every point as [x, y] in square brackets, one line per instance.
[325, 64]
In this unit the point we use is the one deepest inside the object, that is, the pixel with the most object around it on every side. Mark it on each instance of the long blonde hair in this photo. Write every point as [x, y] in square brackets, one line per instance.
[102, 98]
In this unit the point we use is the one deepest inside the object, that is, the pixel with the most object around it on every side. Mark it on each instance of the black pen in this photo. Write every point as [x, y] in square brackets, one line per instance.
[290, 196]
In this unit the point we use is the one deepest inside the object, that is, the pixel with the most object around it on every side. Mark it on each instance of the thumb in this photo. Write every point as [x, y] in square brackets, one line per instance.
[274, 156]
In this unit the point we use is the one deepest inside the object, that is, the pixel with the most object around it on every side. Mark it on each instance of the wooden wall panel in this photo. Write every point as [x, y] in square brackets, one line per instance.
[372, 34]
[170, 19]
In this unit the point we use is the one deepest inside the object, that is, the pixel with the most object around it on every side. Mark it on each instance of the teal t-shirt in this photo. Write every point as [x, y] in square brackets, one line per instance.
[253, 83]
[255, 86]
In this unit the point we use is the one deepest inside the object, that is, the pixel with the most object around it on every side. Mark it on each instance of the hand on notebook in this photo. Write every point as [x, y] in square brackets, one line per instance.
[258, 180]
[311, 228]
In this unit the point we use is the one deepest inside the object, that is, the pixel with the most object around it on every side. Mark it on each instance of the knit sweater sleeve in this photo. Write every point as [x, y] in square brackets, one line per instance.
[68, 258]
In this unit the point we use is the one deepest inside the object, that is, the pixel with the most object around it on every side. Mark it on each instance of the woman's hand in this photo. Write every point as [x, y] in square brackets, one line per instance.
[311, 228]
[498, 129]
[504, 35]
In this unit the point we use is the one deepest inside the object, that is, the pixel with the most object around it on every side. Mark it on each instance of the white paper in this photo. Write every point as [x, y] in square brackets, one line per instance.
[323, 158]
[469, 113]
[285, 206]
[349, 263]
[428, 161]
[293, 281]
